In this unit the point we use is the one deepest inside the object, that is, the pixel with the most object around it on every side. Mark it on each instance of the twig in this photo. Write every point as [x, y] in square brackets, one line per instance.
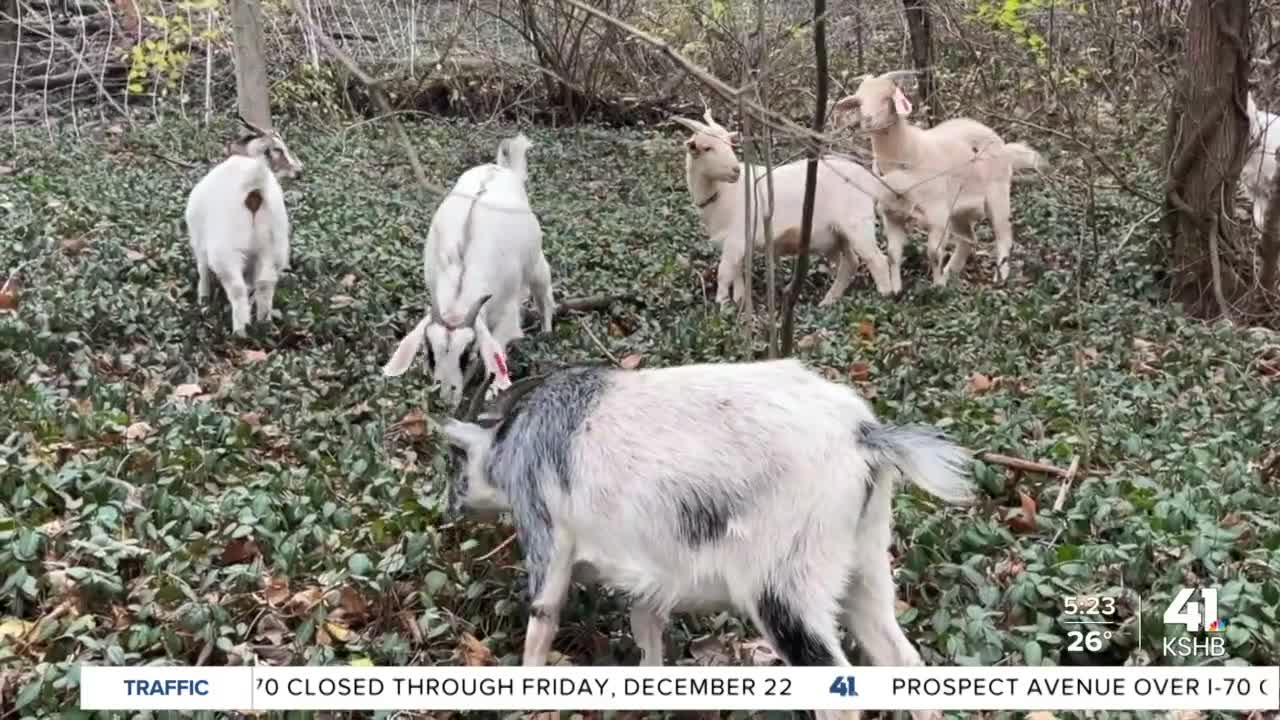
[1068, 477]
[792, 295]
[592, 303]
[704, 76]
[497, 549]
[596, 340]
[1020, 464]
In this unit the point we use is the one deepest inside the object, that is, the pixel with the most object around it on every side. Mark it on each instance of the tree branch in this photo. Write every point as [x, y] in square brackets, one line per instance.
[810, 180]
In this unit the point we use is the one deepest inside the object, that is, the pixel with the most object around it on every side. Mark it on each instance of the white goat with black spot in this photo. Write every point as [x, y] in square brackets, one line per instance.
[760, 487]
[239, 226]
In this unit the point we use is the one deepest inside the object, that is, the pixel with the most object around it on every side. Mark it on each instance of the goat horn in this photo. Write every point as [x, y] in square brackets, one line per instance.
[474, 312]
[896, 74]
[250, 125]
[469, 409]
[508, 399]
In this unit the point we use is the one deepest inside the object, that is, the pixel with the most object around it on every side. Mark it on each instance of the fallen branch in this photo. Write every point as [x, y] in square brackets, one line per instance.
[497, 549]
[591, 303]
[1019, 464]
[1066, 485]
[596, 340]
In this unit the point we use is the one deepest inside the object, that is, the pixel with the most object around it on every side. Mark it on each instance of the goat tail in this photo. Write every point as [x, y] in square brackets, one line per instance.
[922, 455]
[1022, 156]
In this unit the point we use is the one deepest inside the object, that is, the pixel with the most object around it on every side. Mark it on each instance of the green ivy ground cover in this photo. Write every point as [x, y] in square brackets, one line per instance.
[169, 494]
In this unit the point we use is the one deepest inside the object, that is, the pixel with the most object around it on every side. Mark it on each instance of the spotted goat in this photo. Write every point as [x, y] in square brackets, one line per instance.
[238, 224]
[759, 487]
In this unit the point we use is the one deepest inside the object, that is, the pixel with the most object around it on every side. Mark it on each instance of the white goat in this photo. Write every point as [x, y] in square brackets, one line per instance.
[483, 256]
[760, 487]
[844, 226]
[1260, 165]
[238, 224]
[946, 178]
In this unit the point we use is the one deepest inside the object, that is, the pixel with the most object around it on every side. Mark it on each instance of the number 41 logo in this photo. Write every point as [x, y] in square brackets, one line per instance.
[844, 686]
[1184, 612]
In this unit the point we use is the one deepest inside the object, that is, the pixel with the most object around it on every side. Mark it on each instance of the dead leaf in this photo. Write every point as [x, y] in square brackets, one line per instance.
[6, 169]
[758, 653]
[360, 410]
[1025, 522]
[1184, 715]
[276, 591]
[187, 390]
[352, 603]
[74, 246]
[808, 342]
[631, 362]
[1041, 715]
[9, 294]
[979, 384]
[341, 301]
[252, 419]
[254, 356]
[337, 631]
[713, 650]
[134, 255]
[859, 372]
[15, 627]
[304, 601]
[413, 424]
[348, 280]
[239, 550]
[474, 653]
[867, 330]
[138, 431]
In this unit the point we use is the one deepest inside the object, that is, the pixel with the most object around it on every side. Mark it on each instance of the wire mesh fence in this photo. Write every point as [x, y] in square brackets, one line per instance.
[79, 60]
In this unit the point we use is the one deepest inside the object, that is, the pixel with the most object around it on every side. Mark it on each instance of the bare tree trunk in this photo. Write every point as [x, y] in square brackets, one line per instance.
[1207, 135]
[8, 42]
[252, 95]
[921, 31]
[1269, 248]
[810, 179]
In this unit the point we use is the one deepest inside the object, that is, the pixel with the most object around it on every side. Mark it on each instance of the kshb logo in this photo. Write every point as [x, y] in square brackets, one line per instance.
[1195, 616]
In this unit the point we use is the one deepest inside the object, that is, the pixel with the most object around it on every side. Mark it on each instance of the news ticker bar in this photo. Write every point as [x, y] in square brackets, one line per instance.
[679, 688]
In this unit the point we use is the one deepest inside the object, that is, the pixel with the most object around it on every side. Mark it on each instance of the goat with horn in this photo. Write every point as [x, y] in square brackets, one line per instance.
[759, 487]
[483, 257]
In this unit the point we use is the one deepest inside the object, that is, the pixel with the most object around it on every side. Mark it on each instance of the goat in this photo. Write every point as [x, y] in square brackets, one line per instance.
[1260, 166]
[946, 178]
[238, 224]
[756, 486]
[844, 229]
[482, 257]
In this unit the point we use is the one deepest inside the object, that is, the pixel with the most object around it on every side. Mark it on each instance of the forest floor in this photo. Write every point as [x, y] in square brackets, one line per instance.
[170, 493]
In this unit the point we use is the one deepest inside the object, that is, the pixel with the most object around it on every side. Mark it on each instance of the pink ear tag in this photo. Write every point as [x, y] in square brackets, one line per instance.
[503, 380]
[900, 102]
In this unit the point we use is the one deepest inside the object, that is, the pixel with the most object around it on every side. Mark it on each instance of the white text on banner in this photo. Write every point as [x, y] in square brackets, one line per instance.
[680, 688]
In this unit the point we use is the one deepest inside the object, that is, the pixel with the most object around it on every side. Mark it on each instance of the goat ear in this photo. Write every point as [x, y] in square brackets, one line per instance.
[495, 359]
[403, 357]
[733, 138]
[692, 146]
[900, 102]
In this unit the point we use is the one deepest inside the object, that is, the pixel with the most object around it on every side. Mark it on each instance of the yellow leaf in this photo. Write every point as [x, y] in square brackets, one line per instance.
[15, 628]
[361, 662]
[339, 632]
